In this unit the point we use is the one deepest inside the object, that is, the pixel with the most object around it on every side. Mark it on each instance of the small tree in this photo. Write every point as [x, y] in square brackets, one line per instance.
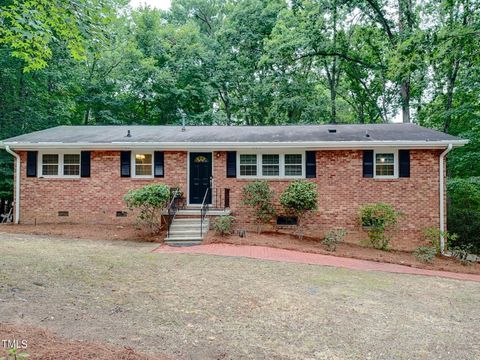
[378, 219]
[299, 197]
[258, 195]
[150, 200]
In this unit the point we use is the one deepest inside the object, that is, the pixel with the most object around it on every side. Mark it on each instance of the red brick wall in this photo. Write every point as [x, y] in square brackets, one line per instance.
[343, 190]
[90, 200]
[341, 187]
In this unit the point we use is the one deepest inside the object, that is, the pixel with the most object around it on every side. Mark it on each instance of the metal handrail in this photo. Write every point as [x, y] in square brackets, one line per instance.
[203, 211]
[172, 211]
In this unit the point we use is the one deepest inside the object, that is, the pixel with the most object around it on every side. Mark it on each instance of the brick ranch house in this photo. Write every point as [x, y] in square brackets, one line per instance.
[79, 174]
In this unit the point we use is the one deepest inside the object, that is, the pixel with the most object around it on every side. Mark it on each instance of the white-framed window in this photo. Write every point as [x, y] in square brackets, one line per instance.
[248, 165]
[59, 165]
[271, 165]
[142, 164]
[385, 163]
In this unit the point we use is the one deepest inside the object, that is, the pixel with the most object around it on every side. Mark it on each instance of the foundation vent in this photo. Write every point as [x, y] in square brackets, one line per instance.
[121, 214]
[63, 213]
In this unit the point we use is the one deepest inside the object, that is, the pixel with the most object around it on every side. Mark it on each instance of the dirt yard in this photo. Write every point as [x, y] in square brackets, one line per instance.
[278, 240]
[290, 242]
[205, 307]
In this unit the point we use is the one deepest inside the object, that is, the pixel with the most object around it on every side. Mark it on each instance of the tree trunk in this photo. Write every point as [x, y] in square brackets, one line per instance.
[449, 99]
[405, 93]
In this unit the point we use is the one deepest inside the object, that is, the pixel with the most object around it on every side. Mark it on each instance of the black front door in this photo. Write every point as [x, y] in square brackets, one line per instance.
[200, 177]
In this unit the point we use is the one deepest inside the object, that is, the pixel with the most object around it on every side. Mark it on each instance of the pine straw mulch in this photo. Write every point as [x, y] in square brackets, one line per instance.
[45, 345]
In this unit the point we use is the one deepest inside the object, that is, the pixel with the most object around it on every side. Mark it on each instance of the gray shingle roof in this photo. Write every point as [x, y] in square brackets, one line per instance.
[218, 135]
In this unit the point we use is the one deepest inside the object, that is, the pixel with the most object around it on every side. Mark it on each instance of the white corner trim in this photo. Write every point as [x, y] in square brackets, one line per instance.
[17, 183]
[442, 193]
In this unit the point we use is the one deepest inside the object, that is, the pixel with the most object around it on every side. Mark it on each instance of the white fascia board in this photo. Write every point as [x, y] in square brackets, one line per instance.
[327, 145]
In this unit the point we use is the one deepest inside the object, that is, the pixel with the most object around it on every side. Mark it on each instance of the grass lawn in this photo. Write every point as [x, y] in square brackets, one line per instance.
[205, 307]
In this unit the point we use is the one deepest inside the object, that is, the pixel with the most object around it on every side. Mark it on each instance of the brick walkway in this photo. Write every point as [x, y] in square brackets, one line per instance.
[267, 253]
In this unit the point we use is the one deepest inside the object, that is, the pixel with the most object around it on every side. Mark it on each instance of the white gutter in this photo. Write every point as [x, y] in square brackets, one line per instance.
[442, 194]
[17, 183]
[218, 145]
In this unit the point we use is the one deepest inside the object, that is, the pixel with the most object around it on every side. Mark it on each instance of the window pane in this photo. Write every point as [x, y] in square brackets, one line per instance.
[270, 165]
[293, 170]
[248, 159]
[385, 158]
[248, 165]
[50, 164]
[270, 159]
[385, 164]
[293, 165]
[50, 169]
[248, 170]
[143, 159]
[143, 170]
[270, 170]
[143, 164]
[71, 159]
[50, 158]
[293, 159]
[71, 170]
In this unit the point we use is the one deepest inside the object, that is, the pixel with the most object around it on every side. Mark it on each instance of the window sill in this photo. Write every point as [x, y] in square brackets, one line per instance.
[59, 178]
[395, 179]
[268, 178]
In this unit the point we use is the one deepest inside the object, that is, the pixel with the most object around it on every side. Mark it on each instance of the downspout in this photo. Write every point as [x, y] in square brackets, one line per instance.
[442, 200]
[17, 183]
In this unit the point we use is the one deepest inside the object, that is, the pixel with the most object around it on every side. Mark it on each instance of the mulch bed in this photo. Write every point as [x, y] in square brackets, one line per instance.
[80, 231]
[290, 242]
[43, 344]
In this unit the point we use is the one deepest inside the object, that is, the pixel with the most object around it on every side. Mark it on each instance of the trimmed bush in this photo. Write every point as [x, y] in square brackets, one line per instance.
[150, 200]
[333, 238]
[425, 254]
[299, 197]
[378, 219]
[223, 225]
[259, 196]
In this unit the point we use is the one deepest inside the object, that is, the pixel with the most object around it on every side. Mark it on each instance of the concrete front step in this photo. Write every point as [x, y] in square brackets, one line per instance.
[183, 243]
[185, 235]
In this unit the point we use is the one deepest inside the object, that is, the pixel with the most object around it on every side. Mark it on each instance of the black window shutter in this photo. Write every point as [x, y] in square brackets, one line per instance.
[404, 162]
[368, 163]
[158, 164]
[85, 164]
[32, 157]
[231, 164]
[311, 164]
[125, 158]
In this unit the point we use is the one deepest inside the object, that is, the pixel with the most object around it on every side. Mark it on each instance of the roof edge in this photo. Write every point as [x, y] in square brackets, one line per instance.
[234, 145]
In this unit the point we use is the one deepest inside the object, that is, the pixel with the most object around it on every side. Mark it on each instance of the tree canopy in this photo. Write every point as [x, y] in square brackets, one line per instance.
[241, 62]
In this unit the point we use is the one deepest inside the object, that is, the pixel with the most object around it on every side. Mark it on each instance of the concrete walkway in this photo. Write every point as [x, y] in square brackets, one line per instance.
[268, 253]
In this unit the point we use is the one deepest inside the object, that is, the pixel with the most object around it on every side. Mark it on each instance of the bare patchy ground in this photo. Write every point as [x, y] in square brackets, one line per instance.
[204, 307]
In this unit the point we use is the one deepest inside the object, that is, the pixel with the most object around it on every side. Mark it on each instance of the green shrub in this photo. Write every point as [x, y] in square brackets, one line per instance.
[378, 219]
[223, 225]
[150, 200]
[461, 252]
[432, 235]
[425, 254]
[299, 197]
[464, 211]
[258, 195]
[333, 238]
